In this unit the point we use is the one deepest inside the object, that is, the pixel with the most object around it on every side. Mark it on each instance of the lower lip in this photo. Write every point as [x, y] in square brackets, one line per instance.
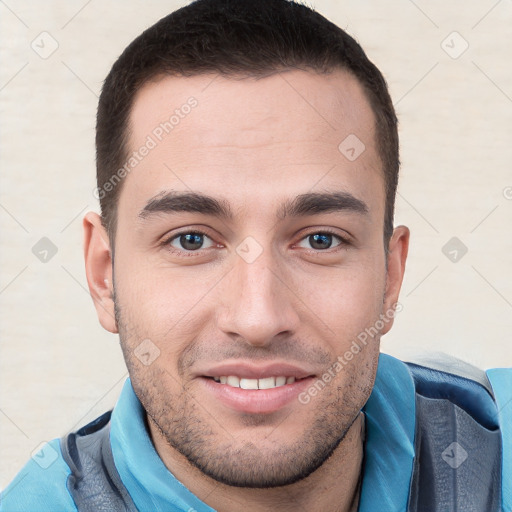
[254, 401]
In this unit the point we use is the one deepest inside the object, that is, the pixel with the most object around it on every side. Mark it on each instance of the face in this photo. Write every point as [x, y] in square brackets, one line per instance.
[249, 257]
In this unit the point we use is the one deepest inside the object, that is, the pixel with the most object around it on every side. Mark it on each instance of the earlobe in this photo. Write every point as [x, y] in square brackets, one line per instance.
[397, 256]
[98, 268]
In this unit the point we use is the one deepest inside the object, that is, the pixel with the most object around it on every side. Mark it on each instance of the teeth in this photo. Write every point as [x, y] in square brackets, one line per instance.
[249, 383]
[280, 381]
[265, 383]
[233, 381]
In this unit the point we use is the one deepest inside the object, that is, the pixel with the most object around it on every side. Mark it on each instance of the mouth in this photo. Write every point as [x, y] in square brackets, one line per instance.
[251, 389]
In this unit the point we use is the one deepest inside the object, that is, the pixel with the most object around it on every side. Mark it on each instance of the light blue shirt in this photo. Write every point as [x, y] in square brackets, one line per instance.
[389, 456]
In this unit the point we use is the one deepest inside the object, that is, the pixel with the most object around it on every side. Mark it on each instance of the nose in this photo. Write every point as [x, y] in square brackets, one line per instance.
[257, 304]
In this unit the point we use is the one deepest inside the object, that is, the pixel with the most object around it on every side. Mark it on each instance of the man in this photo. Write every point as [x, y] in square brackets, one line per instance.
[247, 163]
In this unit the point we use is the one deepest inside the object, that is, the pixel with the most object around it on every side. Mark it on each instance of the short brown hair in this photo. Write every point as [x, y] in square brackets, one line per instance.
[234, 37]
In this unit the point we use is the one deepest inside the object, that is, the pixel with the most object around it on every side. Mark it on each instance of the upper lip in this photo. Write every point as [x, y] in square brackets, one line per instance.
[247, 370]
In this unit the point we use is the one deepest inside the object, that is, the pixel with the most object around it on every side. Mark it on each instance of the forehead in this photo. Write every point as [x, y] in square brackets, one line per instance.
[250, 140]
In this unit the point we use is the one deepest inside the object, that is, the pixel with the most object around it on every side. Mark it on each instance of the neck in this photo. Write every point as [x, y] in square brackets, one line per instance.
[334, 487]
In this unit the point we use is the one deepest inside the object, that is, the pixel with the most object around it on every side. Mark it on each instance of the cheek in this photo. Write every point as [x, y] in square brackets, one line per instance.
[162, 313]
[347, 301]
[161, 300]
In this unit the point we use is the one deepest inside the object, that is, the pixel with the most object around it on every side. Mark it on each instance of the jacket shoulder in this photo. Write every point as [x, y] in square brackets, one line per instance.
[444, 377]
[458, 446]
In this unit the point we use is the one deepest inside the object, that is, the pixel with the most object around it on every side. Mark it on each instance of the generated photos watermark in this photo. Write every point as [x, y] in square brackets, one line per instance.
[357, 345]
[152, 140]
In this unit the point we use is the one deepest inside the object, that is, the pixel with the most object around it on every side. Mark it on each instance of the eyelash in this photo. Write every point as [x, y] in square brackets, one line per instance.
[166, 243]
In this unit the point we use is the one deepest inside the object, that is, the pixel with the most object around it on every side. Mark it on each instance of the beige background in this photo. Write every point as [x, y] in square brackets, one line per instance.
[59, 369]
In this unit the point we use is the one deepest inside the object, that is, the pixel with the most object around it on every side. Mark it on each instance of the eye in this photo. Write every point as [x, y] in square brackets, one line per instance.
[192, 241]
[321, 241]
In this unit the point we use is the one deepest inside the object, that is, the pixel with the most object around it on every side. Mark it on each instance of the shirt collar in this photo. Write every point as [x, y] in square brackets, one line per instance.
[389, 445]
[150, 484]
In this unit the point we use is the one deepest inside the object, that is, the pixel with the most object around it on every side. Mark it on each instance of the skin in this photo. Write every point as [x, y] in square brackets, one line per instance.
[255, 145]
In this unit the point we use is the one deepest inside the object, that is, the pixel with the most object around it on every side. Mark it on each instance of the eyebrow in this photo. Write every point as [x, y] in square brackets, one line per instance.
[314, 203]
[174, 202]
[311, 203]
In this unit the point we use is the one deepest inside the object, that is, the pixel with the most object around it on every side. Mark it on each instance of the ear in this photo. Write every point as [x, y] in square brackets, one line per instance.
[397, 254]
[98, 268]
